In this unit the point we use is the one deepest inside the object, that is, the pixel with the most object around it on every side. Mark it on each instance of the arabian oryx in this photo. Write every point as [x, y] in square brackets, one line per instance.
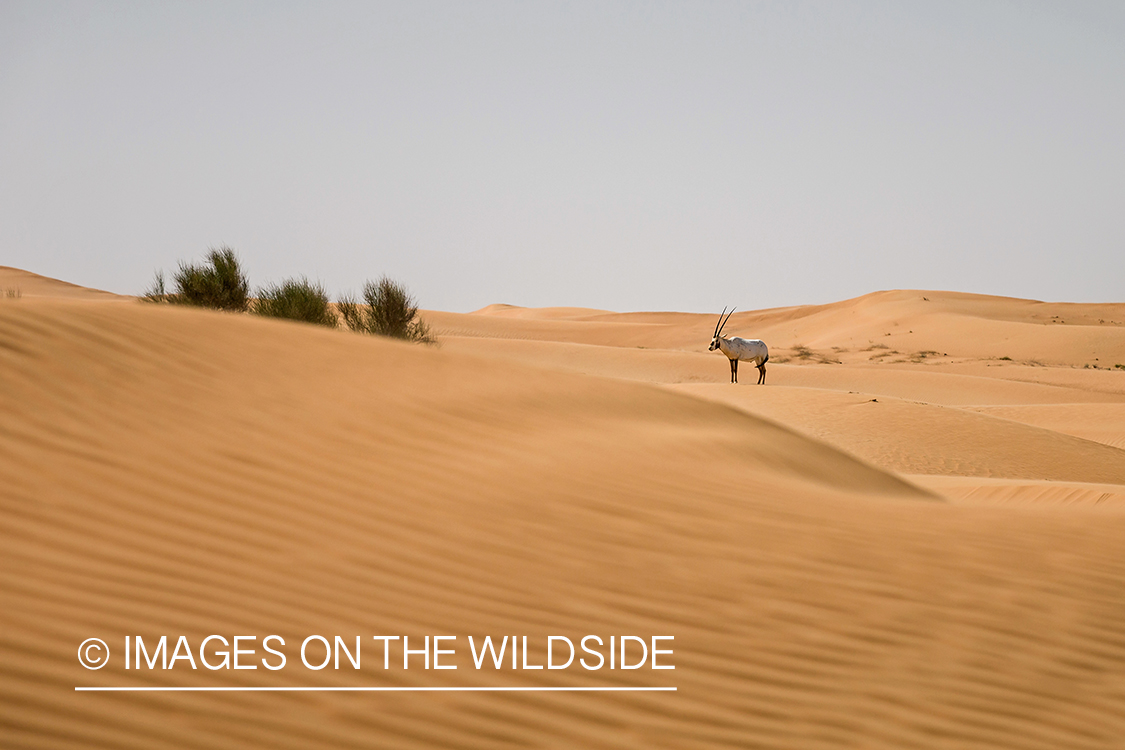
[750, 350]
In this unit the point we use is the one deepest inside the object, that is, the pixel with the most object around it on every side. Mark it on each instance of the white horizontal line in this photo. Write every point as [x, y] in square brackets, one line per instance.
[368, 689]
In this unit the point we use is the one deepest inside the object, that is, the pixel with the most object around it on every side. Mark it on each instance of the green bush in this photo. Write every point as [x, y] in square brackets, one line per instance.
[387, 310]
[157, 292]
[296, 299]
[219, 283]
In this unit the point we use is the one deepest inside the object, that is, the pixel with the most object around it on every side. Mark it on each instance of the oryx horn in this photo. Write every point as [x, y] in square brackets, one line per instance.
[717, 322]
[723, 323]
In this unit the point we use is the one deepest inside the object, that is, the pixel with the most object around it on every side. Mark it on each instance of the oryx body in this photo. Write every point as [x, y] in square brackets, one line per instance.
[739, 349]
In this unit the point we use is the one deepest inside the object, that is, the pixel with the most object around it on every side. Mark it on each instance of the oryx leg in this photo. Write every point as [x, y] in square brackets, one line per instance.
[734, 371]
[761, 374]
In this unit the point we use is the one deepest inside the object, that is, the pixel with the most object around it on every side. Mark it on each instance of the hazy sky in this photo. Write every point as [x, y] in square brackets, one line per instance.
[629, 156]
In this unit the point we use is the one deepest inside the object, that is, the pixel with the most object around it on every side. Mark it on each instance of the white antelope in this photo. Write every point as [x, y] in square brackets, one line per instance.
[748, 350]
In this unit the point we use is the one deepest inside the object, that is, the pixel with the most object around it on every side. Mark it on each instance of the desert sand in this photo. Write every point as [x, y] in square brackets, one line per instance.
[912, 536]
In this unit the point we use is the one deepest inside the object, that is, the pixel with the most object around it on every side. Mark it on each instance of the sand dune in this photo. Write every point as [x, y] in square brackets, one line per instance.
[1104, 423]
[883, 326]
[983, 491]
[917, 438]
[14, 281]
[937, 385]
[939, 567]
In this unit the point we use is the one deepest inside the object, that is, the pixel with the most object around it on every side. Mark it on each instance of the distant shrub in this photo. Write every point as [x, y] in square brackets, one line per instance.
[387, 310]
[157, 292]
[13, 292]
[296, 299]
[802, 352]
[219, 283]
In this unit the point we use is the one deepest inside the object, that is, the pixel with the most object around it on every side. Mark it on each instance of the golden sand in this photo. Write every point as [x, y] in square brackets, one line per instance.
[912, 536]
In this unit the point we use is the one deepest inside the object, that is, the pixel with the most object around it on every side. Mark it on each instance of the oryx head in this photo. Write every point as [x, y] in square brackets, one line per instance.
[719, 329]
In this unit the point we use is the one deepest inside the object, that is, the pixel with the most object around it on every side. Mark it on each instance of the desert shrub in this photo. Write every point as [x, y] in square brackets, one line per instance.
[157, 292]
[802, 352]
[350, 311]
[218, 283]
[387, 310]
[296, 299]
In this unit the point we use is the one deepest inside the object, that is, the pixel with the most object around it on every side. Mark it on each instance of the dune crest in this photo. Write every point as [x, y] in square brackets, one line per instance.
[893, 327]
[28, 284]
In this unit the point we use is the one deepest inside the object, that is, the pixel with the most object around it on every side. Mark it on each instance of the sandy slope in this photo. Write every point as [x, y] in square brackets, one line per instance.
[979, 491]
[881, 327]
[939, 567]
[19, 283]
[1104, 423]
[917, 438]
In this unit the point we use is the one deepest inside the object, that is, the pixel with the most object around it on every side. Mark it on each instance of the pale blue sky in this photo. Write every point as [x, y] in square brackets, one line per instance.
[630, 156]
